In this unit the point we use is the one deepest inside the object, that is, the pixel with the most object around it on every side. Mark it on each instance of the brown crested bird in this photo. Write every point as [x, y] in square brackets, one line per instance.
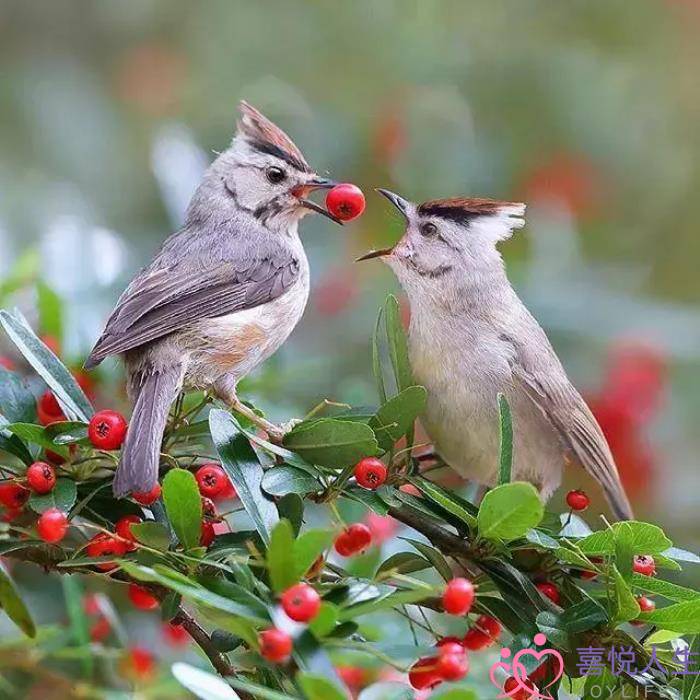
[471, 338]
[222, 294]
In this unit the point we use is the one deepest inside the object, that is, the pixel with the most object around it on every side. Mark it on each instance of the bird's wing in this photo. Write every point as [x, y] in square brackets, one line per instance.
[543, 380]
[165, 299]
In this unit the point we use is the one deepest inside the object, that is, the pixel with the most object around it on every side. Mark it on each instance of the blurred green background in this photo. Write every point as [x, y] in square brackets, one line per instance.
[588, 111]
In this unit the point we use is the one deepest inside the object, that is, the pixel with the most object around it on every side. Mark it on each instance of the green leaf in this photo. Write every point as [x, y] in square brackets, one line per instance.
[681, 617]
[624, 607]
[583, 616]
[279, 481]
[37, 435]
[434, 556]
[280, 557]
[319, 688]
[17, 402]
[183, 505]
[50, 311]
[331, 442]
[551, 624]
[203, 684]
[396, 416]
[308, 547]
[192, 591]
[12, 444]
[672, 591]
[80, 628]
[401, 563]
[455, 694]
[646, 539]
[368, 498]
[444, 499]
[152, 534]
[509, 511]
[259, 692]
[385, 602]
[690, 685]
[505, 424]
[67, 432]
[243, 468]
[681, 555]
[13, 605]
[291, 507]
[624, 550]
[70, 396]
[325, 621]
[541, 539]
[398, 346]
[63, 496]
[376, 360]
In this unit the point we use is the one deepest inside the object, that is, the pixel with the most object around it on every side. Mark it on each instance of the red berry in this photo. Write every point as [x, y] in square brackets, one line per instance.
[211, 479]
[644, 565]
[424, 675]
[458, 596]
[209, 509]
[370, 473]
[13, 495]
[48, 409]
[7, 363]
[142, 598]
[107, 430]
[578, 500]
[275, 645]
[123, 529]
[146, 498]
[646, 604]
[139, 663]
[301, 602]
[353, 540]
[484, 633]
[355, 677]
[229, 492]
[523, 693]
[103, 545]
[550, 591]
[52, 525]
[452, 663]
[41, 477]
[208, 534]
[445, 641]
[175, 635]
[91, 604]
[346, 202]
[100, 630]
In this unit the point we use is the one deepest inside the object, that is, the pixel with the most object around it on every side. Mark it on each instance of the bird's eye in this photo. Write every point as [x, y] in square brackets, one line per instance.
[275, 175]
[428, 229]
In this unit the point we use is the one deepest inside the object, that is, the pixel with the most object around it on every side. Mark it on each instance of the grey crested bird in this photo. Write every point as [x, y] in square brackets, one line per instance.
[221, 295]
[471, 338]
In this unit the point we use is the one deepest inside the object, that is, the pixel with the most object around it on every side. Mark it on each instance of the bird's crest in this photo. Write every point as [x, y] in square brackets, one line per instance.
[464, 209]
[267, 137]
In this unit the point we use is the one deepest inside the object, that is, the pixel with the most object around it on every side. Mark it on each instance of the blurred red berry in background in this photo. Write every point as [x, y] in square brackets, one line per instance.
[7, 363]
[48, 410]
[175, 635]
[382, 527]
[336, 292]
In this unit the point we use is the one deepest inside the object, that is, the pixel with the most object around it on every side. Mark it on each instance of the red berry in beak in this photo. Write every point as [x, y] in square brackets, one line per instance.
[346, 202]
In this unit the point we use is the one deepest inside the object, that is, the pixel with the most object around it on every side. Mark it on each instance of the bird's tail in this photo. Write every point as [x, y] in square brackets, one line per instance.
[140, 458]
[618, 501]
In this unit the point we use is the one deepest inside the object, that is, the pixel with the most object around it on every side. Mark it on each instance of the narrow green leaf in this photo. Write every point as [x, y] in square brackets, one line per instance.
[583, 616]
[319, 688]
[377, 360]
[279, 481]
[63, 496]
[681, 555]
[308, 547]
[331, 442]
[17, 402]
[183, 505]
[152, 534]
[280, 557]
[444, 499]
[509, 511]
[325, 621]
[203, 684]
[505, 424]
[243, 468]
[386, 602]
[71, 397]
[672, 591]
[541, 539]
[368, 498]
[13, 605]
[80, 628]
[624, 606]
[396, 416]
[434, 556]
[398, 345]
[291, 507]
[401, 563]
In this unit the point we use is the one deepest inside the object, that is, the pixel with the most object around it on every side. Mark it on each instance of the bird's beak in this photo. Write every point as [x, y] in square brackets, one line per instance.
[399, 202]
[402, 205]
[316, 183]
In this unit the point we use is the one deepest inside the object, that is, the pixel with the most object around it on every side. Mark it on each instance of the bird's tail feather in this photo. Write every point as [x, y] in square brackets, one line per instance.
[618, 501]
[140, 458]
